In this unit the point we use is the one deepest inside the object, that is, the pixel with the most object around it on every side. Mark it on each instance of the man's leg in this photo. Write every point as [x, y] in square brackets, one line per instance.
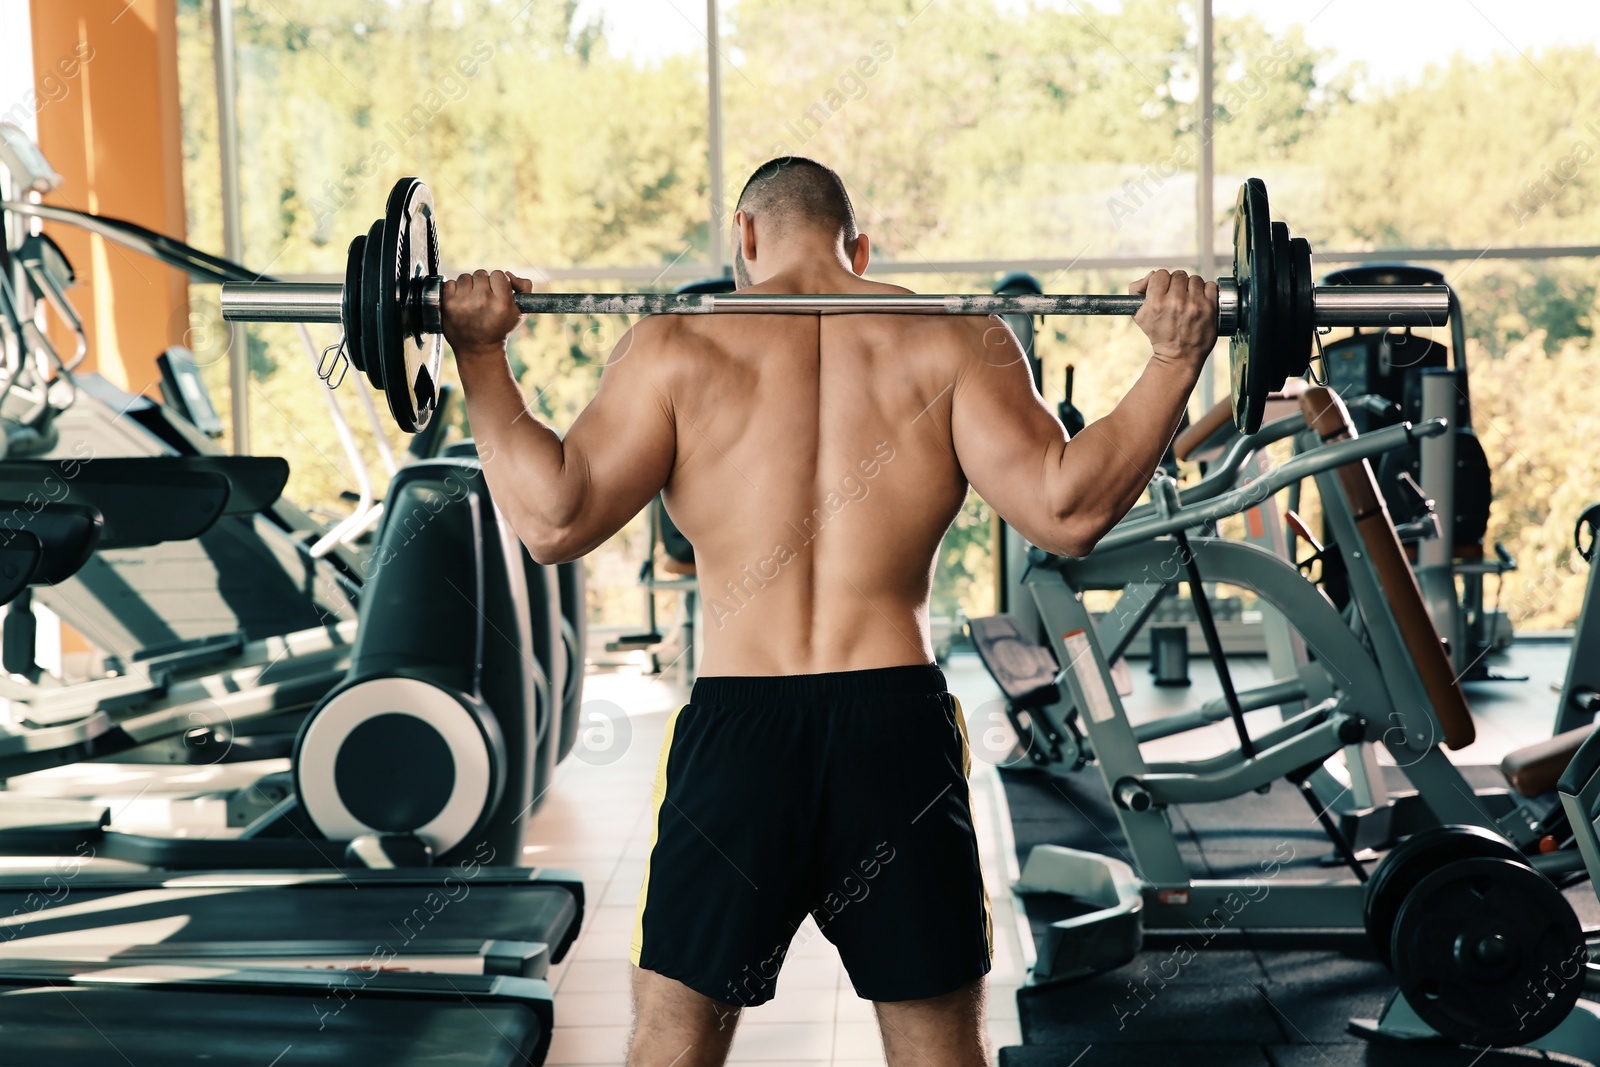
[673, 1026]
[904, 897]
[942, 1031]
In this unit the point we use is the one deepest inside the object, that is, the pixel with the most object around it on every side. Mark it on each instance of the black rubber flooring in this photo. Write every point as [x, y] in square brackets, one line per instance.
[1238, 1003]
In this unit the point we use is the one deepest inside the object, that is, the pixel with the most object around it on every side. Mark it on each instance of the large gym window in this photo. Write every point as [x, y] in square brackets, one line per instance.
[603, 143]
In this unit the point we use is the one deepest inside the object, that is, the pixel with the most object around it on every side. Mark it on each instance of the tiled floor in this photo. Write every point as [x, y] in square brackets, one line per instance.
[596, 820]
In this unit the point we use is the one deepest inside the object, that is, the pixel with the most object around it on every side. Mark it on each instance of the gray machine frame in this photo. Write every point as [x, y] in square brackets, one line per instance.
[1580, 692]
[1369, 814]
[1379, 698]
[1361, 791]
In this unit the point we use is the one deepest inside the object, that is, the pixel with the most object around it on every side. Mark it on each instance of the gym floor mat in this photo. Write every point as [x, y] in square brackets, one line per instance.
[1238, 1004]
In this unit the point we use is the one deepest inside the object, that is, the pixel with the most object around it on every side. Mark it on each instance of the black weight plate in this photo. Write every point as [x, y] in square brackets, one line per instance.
[1489, 953]
[1253, 271]
[1413, 860]
[1282, 325]
[349, 302]
[1589, 520]
[411, 357]
[1474, 489]
[371, 309]
[1302, 309]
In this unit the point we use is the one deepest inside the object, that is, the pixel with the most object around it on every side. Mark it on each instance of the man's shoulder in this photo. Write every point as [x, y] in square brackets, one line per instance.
[672, 352]
[654, 339]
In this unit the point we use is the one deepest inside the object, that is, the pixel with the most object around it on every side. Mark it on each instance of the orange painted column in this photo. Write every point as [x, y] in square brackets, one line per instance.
[106, 78]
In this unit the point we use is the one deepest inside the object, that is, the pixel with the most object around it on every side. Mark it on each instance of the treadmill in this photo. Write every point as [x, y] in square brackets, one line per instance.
[114, 967]
[255, 1017]
[519, 922]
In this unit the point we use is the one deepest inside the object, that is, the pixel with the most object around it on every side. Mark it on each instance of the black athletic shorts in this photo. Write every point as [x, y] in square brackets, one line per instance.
[842, 795]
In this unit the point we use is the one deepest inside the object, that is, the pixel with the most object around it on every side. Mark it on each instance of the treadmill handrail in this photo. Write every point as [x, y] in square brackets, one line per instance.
[203, 267]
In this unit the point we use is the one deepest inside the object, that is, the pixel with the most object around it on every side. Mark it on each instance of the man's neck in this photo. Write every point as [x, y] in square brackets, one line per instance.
[815, 264]
[815, 274]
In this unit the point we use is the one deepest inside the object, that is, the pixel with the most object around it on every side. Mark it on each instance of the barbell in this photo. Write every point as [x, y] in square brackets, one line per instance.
[389, 309]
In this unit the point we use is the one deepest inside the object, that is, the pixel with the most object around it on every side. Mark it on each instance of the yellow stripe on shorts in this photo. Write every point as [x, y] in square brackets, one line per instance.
[966, 771]
[658, 796]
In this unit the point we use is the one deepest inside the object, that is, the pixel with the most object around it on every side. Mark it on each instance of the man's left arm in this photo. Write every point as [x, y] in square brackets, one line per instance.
[562, 496]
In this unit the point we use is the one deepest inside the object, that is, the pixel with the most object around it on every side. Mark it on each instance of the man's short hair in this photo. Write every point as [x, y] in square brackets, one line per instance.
[794, 189]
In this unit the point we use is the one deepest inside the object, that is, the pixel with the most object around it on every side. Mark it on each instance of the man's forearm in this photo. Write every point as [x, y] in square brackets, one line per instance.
[523, 459]
[1106, 468]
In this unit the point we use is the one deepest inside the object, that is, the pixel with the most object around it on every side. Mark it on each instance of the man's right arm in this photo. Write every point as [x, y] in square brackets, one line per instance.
[562, 495]
[1064, 495]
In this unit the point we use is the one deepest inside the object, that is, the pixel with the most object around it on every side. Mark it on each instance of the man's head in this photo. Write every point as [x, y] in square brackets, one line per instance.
[796, 203]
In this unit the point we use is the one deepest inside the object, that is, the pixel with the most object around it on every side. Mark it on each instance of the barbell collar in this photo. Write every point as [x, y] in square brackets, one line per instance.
[430, 303]
[1227, 306]
[1334, 305]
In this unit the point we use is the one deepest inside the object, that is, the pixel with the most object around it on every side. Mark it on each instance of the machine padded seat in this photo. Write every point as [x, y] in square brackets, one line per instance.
[1535, 769]
[1023, 669]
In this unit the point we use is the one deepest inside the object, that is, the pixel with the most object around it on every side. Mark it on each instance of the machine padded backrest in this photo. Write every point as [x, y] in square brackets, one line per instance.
[1325, 413]
[427, 575]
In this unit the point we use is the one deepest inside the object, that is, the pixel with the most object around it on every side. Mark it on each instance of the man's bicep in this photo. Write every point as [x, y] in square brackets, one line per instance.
[1005, 437]
[624, 441]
